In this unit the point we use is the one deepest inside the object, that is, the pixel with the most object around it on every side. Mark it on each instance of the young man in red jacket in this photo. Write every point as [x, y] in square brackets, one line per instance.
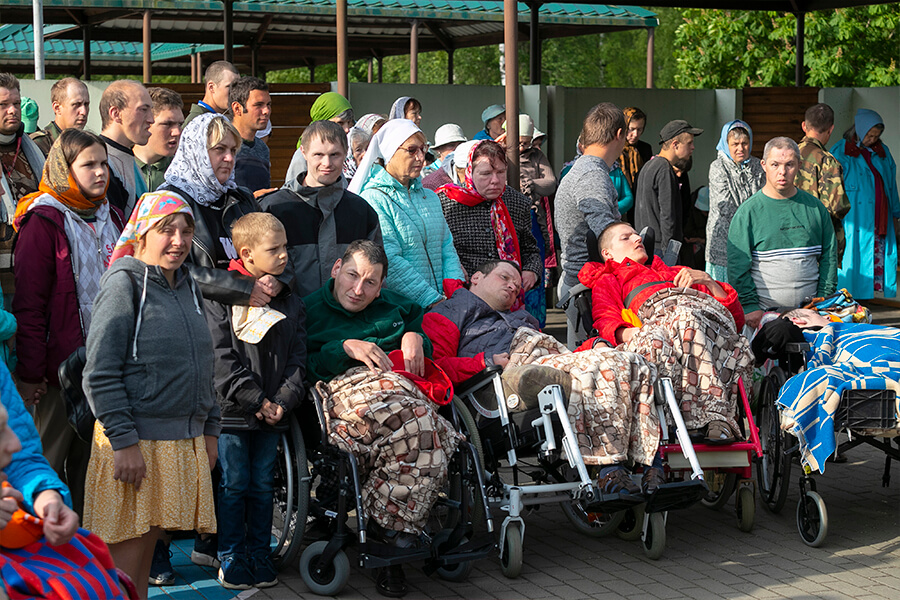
[679, 319]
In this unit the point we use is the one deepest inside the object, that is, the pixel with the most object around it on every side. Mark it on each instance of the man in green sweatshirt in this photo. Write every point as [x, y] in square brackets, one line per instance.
[781, 244]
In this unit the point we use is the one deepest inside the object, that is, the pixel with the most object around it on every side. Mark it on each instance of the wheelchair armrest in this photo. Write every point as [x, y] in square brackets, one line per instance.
[797, 347]
[478, 379]
[320, 412]
[574, 292]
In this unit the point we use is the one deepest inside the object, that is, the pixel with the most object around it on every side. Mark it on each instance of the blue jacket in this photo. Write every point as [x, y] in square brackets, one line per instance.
[29, 472]
[857, 268]
[417, 241]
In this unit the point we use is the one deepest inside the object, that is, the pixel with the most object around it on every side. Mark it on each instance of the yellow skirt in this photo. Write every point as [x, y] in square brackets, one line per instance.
[176, 493]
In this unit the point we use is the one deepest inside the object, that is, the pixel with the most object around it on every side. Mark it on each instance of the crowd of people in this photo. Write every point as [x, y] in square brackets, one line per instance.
[211, 303]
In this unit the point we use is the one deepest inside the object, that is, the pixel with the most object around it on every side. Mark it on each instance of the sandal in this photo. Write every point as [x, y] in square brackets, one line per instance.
[391, 582]
[653, 478]
[617, 481]
[718, 432]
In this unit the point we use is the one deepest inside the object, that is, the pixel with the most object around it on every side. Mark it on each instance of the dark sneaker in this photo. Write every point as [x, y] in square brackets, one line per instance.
[204, 552]
[234, 574]
[161, 572]
[264, 572]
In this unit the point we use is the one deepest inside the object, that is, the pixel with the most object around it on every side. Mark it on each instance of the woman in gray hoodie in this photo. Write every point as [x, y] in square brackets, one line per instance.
[148, 379]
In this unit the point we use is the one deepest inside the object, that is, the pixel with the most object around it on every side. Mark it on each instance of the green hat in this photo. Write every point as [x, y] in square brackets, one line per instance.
[30, 114]
[327, 106]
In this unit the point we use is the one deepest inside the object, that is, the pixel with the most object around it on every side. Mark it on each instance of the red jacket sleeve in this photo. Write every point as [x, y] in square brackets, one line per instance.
[607, 304]
[444, 335]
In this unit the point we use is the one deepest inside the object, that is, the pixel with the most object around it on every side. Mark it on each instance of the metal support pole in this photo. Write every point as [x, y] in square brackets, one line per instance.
[380, 61]
[651, 68]
[510, 42]
[534, 45]
[342, 75]
[312, 73]
[86, 50]
[148, 67]
[193, 68]
[38, 16]
[414, 52]
[228, 27]
[254, 59]
[450, 67]
[370, 74]
[799, 72]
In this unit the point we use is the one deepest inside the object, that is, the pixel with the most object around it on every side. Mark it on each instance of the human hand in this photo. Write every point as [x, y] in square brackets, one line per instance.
[259, 297]
[501, 139]
[60, 521]
[691, 277]
[752, 318]
[32, 392]
[501, 360]
[529, 280]
[413, 350]
[626, 334]
[212, 450]
[9, 503]
[369, 354]
[129, 466]
[270, 412]
[271, 286]
[276, 416]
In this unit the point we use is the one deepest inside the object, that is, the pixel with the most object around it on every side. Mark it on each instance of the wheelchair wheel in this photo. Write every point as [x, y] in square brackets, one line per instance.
[589, 522]
[654, 541]
[511, 561]
[745, 508]
[812, 519]
[458, 572]
[324, 580]
[632, 523]
[773, 470]
[291, 496]
[721, 487]
[464, 479]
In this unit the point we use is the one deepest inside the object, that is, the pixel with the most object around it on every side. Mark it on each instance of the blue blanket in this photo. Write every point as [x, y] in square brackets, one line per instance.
[843, 356]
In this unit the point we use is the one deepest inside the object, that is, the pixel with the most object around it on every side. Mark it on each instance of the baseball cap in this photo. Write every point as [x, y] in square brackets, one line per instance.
[447, 134]
[675, 128]
[494, 110]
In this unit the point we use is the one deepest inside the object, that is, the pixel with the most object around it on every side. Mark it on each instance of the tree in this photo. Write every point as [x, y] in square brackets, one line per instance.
[733, 49]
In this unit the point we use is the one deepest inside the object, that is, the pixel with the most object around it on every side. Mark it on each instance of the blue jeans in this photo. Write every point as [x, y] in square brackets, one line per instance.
[246, 492]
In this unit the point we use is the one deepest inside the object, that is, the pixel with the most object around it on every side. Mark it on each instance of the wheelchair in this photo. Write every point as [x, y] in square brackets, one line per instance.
[319, 500]
[858, 410]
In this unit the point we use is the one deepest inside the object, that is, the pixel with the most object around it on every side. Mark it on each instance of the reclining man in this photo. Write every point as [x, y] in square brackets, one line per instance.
[677, 318]
[842, 356]
[383, 418]
[610, 392]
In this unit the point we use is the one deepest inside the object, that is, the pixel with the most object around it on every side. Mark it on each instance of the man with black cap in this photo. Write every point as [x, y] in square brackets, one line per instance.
[658, 198]
[493, 118]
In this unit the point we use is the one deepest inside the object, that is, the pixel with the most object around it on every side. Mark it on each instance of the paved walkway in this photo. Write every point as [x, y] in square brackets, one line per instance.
[706, 556]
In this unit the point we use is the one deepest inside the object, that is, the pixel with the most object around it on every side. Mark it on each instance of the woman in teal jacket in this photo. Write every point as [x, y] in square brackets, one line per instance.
[869, 266]
[417, 241]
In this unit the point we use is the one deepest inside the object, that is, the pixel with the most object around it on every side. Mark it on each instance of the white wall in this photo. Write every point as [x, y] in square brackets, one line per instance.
[39, 91]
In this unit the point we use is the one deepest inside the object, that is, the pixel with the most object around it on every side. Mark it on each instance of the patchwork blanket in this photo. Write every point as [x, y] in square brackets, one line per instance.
[843, 356]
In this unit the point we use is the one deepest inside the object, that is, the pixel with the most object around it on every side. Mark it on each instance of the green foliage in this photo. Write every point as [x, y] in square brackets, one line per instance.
[844, 48]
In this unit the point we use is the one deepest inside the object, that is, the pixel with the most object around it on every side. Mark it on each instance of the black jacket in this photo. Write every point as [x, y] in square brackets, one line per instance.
[273, 369]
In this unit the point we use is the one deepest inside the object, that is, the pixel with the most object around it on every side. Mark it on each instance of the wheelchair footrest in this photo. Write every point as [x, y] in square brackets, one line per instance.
[610, 503]
[376, 554]
[675, 496]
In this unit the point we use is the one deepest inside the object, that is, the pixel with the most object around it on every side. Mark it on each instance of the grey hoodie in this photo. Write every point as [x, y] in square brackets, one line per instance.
[149, 375]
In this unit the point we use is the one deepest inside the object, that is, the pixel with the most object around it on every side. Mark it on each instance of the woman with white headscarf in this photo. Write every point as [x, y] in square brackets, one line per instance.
[406, 107]
[417, 241]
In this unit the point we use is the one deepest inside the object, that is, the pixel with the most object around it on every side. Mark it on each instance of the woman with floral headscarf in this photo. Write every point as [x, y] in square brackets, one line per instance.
[202, 172]
[488, 219]
[66, 234]
[148, 380]
[733, 177]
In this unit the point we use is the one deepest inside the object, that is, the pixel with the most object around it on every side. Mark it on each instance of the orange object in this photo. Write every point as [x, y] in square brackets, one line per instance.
[23, 529]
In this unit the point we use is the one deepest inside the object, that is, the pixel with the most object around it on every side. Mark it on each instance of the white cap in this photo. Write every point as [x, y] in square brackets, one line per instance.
[526, 126]
[461, 154]
[447, 134]
[538, 133]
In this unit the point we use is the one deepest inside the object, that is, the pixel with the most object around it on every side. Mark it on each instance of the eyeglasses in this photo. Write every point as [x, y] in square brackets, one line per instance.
[413, 150]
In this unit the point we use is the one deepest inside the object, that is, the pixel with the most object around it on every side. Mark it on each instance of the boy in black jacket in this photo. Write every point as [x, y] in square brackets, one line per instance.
[260, 367]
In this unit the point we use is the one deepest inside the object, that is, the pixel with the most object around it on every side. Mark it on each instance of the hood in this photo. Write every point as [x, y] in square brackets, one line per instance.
[325, 198]
[722, 146]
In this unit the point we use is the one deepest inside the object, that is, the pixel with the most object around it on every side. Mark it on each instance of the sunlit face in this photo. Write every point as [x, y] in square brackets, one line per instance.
[221, 158]
[872, 137]
[357, 282]
[165, 132]
[414, 114]
[259, 107]
[324, 162]
[408, 160]
[346, 124]
[781, 168]
[495, 126]
[9, 441]
[221, 90]
[683, 146]
[10, 111]
[268, 256]
[635, 131]
[739, 147]
[90, 171]
[489, 177]
[72, 112]
[137, 116]
[622, 242]
[359, 150]
[499, 288]
[167, 246]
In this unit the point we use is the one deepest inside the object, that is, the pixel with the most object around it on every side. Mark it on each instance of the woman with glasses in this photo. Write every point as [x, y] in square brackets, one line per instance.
[417, 242]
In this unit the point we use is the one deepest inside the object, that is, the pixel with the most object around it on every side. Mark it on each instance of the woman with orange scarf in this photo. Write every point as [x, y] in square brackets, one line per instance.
[66, 233]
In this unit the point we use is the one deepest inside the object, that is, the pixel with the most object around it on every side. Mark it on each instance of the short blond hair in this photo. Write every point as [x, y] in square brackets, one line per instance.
[218, 129]
[249, 230]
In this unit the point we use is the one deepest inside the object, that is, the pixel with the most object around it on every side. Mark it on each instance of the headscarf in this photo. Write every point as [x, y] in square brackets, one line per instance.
[151, 208]
[630, 161]
[367, 122]
[865, 120]
[722, 146]
[57, 181]
[191, 170]
[383, 145]
[328, 106]
[398, 108]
